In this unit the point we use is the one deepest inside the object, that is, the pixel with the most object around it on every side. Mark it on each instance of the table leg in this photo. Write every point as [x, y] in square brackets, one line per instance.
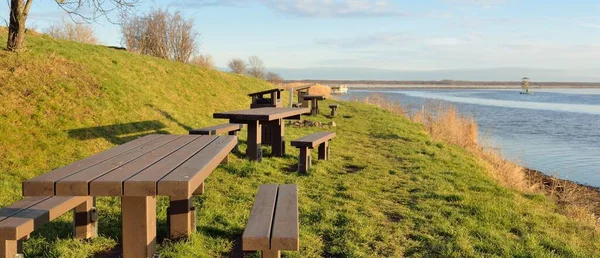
[138, 225]
[254, 151]
[180, 214]
[85, 219]
[271, 254]
[277, 138]
[315, 108]
[9, 248]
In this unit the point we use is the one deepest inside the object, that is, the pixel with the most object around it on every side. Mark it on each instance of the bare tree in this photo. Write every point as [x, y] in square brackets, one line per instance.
[87, 10]
[274, 78]
[257, 67]
[205, 60]
[161, 34]
[73, 31]
[237, 65]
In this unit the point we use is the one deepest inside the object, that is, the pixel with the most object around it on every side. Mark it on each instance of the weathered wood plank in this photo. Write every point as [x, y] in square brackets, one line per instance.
[23, 223]
[19, 206]
[218, 129]
[145, 182]
[257, 234]
[285, 232]
[312, 140]
[111, 183]
[262, 114]
[43, 185]
[185, 179]
[78, 184]
[265, 92]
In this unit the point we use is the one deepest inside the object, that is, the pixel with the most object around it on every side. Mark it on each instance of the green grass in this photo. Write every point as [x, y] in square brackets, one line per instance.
[388, 190]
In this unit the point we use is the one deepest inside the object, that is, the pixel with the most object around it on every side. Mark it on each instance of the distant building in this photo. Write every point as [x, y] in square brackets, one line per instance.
[339, 89]
[525, 86]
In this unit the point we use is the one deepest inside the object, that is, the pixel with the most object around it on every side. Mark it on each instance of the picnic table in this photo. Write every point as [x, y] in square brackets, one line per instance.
[259, 100]
[301, 92]
[257, 117]
[314, 108]
[138, 171]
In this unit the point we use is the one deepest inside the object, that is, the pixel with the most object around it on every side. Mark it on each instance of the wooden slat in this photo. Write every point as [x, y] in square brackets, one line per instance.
[20, 206]
[265, 92]
[23, 223]
[218, 129]
[262, 114]
[284, 234]
[111, 184]
[43, 185]
[313, 140]
[257, 234]
[144, 183]
[185, 179]
[78, 184]
[317, 97]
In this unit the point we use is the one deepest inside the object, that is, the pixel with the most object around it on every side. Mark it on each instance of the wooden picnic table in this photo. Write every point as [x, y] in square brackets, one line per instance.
[255, 118]
[314, 109]
[138, 171]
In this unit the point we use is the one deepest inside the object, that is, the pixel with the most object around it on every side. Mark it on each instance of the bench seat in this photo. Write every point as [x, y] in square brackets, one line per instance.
[311, 141]
[229, 128]
[20, 219]
[273, 224]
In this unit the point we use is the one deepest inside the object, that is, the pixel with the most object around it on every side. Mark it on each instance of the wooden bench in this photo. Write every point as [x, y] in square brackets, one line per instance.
[230, 128]
[273, 223]
[308, 142]
[23, 217]
[333, 109]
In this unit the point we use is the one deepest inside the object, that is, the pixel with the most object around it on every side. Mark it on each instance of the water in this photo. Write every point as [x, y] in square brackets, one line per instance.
[555, 131]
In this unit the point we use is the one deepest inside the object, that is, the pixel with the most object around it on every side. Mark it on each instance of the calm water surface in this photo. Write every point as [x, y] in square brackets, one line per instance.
[555, 131]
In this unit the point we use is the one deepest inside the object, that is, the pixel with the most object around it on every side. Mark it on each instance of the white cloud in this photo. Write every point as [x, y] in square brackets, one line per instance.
[313, 8]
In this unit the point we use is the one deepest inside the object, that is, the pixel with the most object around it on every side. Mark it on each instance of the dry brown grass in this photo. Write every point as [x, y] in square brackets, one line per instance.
[444, 123]
[316, 89]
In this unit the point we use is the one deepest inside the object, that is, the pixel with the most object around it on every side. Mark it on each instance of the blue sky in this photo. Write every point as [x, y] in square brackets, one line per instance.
[383, 34]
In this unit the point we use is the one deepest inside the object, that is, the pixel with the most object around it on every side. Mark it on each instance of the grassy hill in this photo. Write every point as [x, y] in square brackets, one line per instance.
[388, 190]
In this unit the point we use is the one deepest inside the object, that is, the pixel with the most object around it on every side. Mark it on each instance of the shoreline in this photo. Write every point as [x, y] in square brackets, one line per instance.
[588, 196]
[465, 87]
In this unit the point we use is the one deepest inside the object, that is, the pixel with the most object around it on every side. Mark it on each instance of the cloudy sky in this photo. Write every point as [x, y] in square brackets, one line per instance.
[410, 36]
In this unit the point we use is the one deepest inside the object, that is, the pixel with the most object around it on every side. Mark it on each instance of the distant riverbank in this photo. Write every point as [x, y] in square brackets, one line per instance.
[437, 86]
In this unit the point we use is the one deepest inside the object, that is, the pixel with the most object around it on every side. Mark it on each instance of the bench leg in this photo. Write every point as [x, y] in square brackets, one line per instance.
[324, 151]
[254, 151]
[304, 160]
[181, 213]
[277, 138]
[86, 217]
[10, 248]
[271, 254]
[200, 190]
[225, 160]
[236, 148]
[138, 226]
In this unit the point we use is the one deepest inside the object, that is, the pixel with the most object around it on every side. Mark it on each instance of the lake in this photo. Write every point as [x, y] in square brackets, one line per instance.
[556, 131]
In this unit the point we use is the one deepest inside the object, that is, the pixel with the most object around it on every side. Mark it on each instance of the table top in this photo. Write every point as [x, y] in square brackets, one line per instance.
[262, 114]
[317, 97]
[265, 92]
[170, 165]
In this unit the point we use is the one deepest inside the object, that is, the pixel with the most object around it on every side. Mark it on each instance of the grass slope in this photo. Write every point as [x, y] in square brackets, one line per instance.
[387, 191]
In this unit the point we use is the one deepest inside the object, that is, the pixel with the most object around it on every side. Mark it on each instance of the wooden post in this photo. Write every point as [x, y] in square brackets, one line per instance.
[9, 248]
[323, 150]
[200, 190]
[86, 219]
[304, 160]
[180, 217]
[274, 99]
[138, 226]
[254, 151]
[315, 107]
[277, 137]
[236, 148]
[271, 254]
